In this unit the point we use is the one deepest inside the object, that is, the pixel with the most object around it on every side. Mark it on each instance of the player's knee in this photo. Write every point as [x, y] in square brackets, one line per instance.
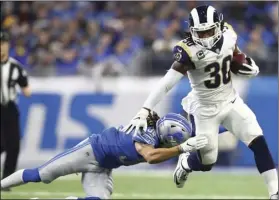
[46, 177]
[31, 175]
[206, 168]
[209, 159]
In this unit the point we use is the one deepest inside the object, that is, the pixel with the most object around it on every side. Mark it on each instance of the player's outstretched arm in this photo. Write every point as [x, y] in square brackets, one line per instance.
[156, 155]
[171, 78]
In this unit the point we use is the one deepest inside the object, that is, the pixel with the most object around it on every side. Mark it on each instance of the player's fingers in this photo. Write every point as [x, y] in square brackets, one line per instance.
[201, 145]
[137, 129]
[202, 141]
[248, 66]
[144, 126]
[126, 128]
[245, 72]
[201, 137]
[130, 128]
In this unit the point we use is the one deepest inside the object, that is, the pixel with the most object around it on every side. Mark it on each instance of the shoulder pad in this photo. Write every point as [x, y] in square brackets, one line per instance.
[182, 52]
[14, 61]
[149, 137]
[186, 44]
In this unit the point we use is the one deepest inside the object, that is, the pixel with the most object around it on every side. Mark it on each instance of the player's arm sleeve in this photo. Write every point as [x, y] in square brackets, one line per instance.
[146, 138]
[22, 79]
[156, 155]
[182, 63]
[162, 88]
[182, 55]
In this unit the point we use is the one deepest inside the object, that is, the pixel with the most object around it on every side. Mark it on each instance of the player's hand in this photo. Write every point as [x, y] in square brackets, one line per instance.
[194, 143]
[251, 69]
[139, 121]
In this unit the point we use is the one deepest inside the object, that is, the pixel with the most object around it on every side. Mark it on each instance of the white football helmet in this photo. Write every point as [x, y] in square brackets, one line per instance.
[173, 129]
[205, 26]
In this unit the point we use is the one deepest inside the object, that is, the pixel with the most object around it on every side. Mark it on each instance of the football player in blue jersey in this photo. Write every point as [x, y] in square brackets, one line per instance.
[96, 156]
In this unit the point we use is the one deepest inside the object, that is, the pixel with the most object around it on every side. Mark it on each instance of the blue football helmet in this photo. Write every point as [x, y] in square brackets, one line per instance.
[173, 129]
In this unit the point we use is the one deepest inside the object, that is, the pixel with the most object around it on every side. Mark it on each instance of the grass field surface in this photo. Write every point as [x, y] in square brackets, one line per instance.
[148, 185]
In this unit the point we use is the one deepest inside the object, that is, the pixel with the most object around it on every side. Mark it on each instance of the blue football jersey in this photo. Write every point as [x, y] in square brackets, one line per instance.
[114, 148]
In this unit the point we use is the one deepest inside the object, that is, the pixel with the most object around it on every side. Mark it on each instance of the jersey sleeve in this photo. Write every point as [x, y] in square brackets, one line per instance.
[22, 78]
[148, 137]
[182, 54]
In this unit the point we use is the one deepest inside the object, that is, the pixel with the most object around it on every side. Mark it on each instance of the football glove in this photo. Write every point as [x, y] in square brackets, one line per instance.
[139, 121]
[250, 69]
[194, 143]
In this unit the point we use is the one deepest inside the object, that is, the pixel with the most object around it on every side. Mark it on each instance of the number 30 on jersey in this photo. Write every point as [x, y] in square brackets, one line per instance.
[218, 73]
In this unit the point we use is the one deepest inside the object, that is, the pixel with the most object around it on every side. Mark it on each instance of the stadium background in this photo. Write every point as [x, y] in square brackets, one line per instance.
[92, 64]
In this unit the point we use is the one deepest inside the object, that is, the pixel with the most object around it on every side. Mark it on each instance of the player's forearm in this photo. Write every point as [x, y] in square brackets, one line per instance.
[162, 154]
[163, 87]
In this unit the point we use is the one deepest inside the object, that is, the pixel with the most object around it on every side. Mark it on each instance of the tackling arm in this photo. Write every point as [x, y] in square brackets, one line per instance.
[153, 156]
[178, 69]
[156, 155]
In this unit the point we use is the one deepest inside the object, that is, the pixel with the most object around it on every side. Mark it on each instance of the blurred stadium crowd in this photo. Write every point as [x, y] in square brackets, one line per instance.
[120, 38]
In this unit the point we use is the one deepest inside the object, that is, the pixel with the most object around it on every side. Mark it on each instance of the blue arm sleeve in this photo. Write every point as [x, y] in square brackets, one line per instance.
[148, 137]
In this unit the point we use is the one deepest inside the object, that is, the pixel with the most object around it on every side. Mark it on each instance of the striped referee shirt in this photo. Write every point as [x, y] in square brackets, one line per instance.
[12, 74]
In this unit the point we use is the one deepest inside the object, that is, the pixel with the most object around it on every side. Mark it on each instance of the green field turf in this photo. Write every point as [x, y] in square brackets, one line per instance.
[148, 186]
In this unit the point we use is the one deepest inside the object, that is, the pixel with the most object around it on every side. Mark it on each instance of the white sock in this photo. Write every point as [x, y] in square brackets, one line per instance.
[271, 180]
[13, 180]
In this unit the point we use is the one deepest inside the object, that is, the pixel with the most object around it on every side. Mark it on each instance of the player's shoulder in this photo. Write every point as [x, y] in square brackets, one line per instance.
[185, 51]
[15, 62]
[186, 45]
[148, 137]
[228, 30]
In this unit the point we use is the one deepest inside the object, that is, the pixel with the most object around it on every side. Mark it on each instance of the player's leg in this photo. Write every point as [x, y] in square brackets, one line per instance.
[77, 159]
[204, 159]
[98, 184]
[12, 139]
[242, 122]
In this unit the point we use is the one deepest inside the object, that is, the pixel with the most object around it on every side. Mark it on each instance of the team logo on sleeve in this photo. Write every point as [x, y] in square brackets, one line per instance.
[178, 56]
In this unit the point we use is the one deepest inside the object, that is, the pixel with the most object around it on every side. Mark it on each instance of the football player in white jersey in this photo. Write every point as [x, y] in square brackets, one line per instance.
[206, 55]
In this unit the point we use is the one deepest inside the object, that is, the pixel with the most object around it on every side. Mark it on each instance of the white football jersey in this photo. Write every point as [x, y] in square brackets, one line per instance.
[210, 76]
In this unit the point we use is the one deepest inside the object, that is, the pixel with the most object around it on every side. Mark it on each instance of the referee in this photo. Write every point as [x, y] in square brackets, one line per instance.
[12, 74]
